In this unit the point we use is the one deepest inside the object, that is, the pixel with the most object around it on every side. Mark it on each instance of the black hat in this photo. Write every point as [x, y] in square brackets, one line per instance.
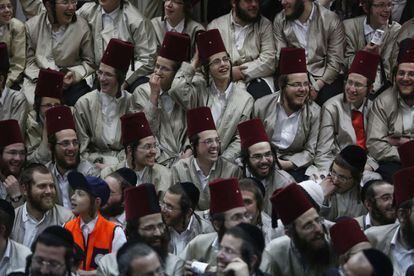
[129, 175]
[379, 261]
[59, 233]
[192, 192]
[255, 235]
[7, 207]
[355, 156]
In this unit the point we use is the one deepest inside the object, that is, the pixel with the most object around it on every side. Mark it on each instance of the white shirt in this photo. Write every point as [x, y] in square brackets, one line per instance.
[398, 9]
[179, 28]
[108, 19]
[204, 179]
[2, 30]
[286, 129]
[219, 101]
[110, 116]
[240, 33]
[180, 240]
[5, 260]
[301, 30]
[63, 185]
[140, 176]
[30, 226]
[3, 192]
[56, 36]
[3, 95]
[167, 102]
[401, 256]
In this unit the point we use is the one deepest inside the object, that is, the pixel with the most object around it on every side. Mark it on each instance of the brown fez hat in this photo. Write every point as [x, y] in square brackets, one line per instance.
[366, 64]
[252, 132]
[10, 133]
[224, 195]
[141, 201]
[345, 234]
[134, 127]
[118, 54]
[403, 185]
[209, 43]
[292, 60]
[4, 58]
[176, 46]
[59, 118]
[49, 84]
[406, 53]
[290, 203]
[198, 120]
[406, 152]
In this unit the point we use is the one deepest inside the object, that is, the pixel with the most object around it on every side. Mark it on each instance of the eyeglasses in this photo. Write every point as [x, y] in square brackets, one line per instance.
[402, 74]
[209, 142]
[50, 105]
[355, 84]
[218, 61]
[299, 84]
[167, 207]
[4, 6]
[148, 147]
[52, 265]
[162, 69]
[67, 2]
[229, 251]
[385, 197]
[16, 152]
[259, 156]
[383, 6]
[177, 2]
[153, 228]
[310, 226]
[66, 143]
[340, 177]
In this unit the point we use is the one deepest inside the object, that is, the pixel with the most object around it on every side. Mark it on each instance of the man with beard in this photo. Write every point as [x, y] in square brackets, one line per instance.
[12, 159]
[390, 121]
[306, 24]
[206, 164]
[177, 209]
[305, 250]
[290, 118]
[118, 182]
[259, 159]
[247, 36]
[378, 199]
[39, 211]
[141, 148]
[397, 240]
[144, 223]
[64, 146]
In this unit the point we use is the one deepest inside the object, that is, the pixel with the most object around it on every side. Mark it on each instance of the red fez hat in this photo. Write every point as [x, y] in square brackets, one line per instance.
[406, 152]
[198, 120]
[210, 43]
[224, 195]
[10, 133]
[118, 54]
[59, 118]
[134, 127]
[176, 46]
[4, 57]
[406, 53]
[252, 132]
[290, 203]
[141, 201]
[49, 84]
[292, 60]
[345, 234]
[366, 64]
[403, 185]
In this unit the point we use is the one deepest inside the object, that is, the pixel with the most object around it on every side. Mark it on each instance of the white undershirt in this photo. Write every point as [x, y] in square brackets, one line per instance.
[167, 102]
[63, 184]
[301, 30]
[5, 260]
[30, 226]
[240, 33]
[110, 117]
[204, 179]
[286, 129]
[108, 19]
[3, 95]
[180, 240]
[179, 28]
[219, 102]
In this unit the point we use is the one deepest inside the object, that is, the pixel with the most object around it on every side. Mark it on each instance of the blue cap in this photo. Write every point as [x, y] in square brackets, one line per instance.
[94, 186]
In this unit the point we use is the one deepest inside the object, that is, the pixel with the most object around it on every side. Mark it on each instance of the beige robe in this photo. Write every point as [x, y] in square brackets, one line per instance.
[130, 25]
[203, 248]
[89, 125]
[32, 7]
[149, 8]
[14, 107]
[18, 255]
[15, 37]
[302, 150]
[406, 31]
[36, 150]
[326, 42]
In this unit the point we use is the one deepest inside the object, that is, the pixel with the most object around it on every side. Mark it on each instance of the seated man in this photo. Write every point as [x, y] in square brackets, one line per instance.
[406, 31]
[290, 118]
[206, 164]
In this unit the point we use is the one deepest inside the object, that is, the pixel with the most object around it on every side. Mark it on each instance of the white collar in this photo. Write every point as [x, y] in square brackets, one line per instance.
[179, 28]
[120, 218]
[226, 93]
[141, 173]
[3, 95]
[200, 171]
[26, 215]
[58, 174]
[90, 225]
[368, 220]
[216, 245]
[367, 28]
[237, 24]
[113, 14]
[360, 109]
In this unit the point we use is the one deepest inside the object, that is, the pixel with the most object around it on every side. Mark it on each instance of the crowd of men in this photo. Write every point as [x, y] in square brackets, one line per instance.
[207, 137]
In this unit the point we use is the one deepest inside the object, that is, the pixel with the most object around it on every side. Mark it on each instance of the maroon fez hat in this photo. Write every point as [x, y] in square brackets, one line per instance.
[345, 234]
[4, 57]
[210, 43]
[141, 201]
[366, 64]
[406, 52]
[10, 133]
[224, 195]
[403, 185]
[406, 152]
[49, 84]
[134, 127]
[176, 46]
[118, 54]
[252, 132]
[59, 118]
[290, 203]
[198, 120]
[292, 60]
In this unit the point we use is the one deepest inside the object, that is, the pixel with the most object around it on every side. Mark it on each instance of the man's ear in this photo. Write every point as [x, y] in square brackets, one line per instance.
[24, 189]
[217, 224]
[368, 204]
[402, 215]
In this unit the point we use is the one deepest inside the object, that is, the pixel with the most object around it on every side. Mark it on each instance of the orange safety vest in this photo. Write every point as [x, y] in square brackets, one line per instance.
[99, 240]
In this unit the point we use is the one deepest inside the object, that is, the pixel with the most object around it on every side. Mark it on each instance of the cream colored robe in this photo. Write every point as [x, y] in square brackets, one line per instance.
[149, 8]
[14, 107]
[32, 7]
[36, 150]
[201, 249]
[406, 31]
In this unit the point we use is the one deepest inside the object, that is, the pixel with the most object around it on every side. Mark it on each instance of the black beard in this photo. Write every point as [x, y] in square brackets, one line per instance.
[320, 257]
[377, 215]
[256, 175]
[113, 210]
[292, 106]
[299, 7]
[62, 163]
[407, 231]
[244, 16]
[161, 250]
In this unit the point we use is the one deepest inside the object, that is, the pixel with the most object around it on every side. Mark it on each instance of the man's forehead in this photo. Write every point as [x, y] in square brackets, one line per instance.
[15, 146]
[150, 219]
[308, 216]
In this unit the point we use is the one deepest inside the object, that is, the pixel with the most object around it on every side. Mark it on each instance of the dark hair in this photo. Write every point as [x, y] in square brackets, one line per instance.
[367, 6]
[206, 70]
[134, 145]
[245, 158]
[185, 201]
[219, 219]
[7, 220]
[248, 184]
[53, 10]
[130, 251]
[355, 173]
[124, 183]
[26, 178]
[187, 12]
[194, 139]
[407, 205]
[367, 191]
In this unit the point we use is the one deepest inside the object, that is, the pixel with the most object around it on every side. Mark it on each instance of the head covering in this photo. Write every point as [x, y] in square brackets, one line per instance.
[254, 235]
[403, 185]
[355, 156]
[134, 127]
[4, 58]
[59, 118]
[366, 64]
[49, 84]
[252, 132]
[176, 46]
[290, 203]
[292, 60]
[209, 43]
[118, 54]
[94, 186]
[60, 233]
[129, 175]
[192, 192]
[141, 201]
[8, 208]
[345, 234]
[406, 152]
[314, 190]
[12, 128]
[199, 119]
[406, 53]
[380, 262]
[224, 195]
